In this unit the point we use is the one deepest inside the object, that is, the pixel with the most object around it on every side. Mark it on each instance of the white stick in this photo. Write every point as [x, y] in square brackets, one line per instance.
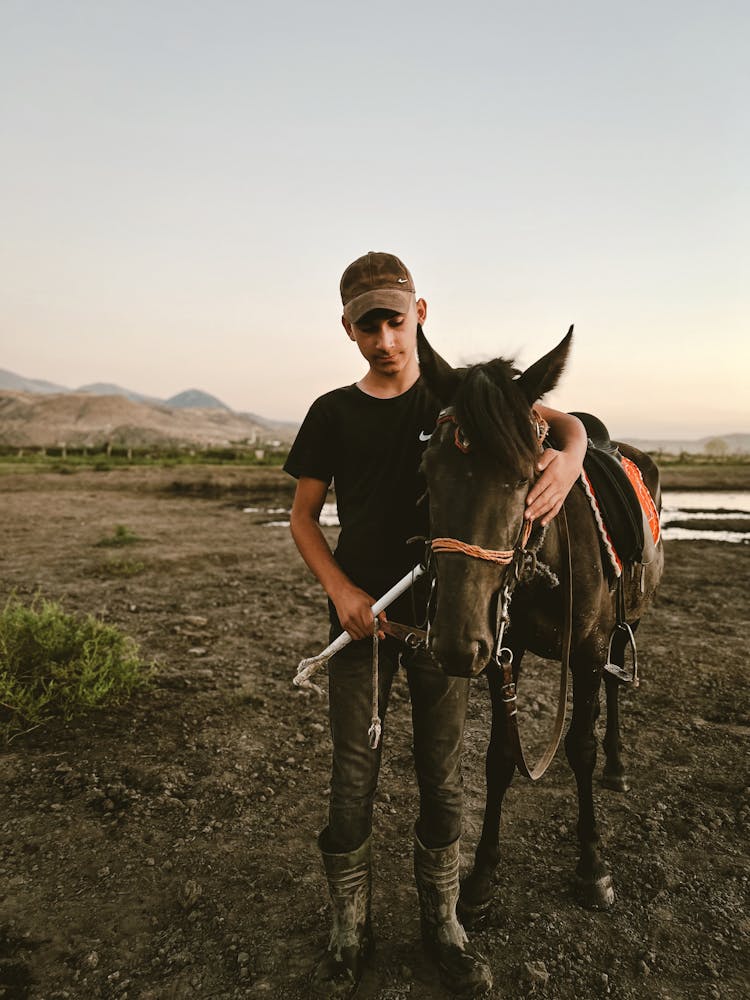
[307, 667]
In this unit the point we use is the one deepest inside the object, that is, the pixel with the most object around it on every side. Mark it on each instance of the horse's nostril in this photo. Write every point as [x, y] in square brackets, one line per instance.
[460, 658]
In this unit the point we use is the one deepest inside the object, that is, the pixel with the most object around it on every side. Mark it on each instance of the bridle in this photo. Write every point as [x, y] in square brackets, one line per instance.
[518, 556]
[502, 557]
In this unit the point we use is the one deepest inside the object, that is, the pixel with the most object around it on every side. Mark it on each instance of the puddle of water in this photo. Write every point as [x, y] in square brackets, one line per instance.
[667, 516]
[686, 500]
[685, 534]
[684, 505]
[329, 517]
[677, 506]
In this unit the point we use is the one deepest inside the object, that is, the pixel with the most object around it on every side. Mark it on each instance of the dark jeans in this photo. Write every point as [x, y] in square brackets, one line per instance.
[438, 713]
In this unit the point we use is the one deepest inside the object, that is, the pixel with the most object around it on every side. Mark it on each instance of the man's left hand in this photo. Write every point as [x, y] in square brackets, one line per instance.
[559, 471]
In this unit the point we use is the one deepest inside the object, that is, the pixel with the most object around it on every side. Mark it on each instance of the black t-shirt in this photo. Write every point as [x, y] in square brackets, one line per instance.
[371, 449]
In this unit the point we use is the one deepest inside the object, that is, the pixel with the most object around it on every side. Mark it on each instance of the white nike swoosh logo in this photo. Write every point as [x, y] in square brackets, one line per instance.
[424, 437]
[402, 281]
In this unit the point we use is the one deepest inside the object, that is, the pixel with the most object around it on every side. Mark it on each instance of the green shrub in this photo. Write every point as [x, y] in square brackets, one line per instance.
[123, 567]
[122, 536]
[56, 665]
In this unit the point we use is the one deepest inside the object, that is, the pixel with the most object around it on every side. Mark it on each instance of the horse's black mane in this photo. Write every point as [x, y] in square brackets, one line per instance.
[494, 415]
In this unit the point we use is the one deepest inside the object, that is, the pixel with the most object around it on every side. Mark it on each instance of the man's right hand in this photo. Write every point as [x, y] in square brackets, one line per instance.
[354, 609]
[353, 605]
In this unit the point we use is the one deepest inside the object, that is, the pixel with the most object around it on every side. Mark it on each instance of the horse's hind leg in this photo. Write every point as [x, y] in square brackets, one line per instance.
[476, 889]
[613, 774]
[593, 881]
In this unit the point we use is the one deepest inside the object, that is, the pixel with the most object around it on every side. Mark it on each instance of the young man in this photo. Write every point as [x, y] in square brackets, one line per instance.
[368, 438]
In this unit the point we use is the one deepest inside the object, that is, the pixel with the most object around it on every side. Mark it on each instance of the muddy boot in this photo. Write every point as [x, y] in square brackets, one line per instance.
[339, 970]
[463, 970]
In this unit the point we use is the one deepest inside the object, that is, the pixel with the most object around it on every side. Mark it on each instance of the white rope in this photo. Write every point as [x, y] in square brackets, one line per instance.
[376, 725]
[309, 666]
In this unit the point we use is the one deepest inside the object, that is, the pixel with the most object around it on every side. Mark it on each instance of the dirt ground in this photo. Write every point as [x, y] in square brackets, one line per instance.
[166, 849]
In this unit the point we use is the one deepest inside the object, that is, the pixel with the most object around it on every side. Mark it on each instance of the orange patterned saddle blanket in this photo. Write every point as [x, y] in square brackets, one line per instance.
[619, 501]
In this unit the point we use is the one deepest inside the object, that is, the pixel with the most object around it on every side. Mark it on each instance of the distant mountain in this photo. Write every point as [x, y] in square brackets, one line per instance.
[256, 427]
[17, 383]
[197, 399]
[240, 426]
[110, 389]
[286, 429]
[714, 444]
[38, 420]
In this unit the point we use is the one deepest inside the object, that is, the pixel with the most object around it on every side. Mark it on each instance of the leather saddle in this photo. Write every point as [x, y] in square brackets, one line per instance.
[615, 495]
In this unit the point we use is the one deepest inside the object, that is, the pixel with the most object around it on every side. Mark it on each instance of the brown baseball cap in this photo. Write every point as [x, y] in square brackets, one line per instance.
[376, 281]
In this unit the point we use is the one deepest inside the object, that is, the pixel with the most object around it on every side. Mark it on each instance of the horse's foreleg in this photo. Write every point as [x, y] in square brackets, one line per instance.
[593, 880]
[476, 889]
[613, 775]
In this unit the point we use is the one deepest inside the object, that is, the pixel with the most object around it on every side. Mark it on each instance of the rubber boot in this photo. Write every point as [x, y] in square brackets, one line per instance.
[463, 970]
[339, 970]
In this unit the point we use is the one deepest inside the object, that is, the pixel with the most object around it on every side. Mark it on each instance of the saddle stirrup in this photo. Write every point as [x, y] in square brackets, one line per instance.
[624, 633]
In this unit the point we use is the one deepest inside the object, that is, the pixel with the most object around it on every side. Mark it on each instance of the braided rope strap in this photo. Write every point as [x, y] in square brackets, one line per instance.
[502, 557]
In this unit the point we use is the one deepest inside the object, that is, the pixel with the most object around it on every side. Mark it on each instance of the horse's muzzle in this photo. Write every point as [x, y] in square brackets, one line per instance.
[466, 658]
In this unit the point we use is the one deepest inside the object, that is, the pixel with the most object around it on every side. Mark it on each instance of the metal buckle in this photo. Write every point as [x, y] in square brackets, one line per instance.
[503, 655]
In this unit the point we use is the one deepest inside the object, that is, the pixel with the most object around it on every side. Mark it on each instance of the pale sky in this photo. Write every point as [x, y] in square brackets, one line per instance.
[183, 183]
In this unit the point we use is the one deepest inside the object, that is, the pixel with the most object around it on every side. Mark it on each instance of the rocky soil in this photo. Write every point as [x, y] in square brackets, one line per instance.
[166, 849]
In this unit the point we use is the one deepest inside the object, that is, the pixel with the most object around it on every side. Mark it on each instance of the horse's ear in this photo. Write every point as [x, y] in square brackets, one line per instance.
[440, 378]
[545, 373]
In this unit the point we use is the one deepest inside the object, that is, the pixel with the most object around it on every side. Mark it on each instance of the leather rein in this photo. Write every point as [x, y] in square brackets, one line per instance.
[503, 655]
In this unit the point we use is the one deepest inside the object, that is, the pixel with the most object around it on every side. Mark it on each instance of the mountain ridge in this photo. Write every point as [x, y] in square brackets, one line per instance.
[44, 420]
[255, 426]
[188, 399]
[736, 444]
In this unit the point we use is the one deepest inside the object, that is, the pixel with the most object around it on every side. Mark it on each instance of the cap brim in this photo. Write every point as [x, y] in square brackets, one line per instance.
[379, 298]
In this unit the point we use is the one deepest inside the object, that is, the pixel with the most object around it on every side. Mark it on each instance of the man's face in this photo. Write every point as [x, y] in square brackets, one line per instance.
[388, 340]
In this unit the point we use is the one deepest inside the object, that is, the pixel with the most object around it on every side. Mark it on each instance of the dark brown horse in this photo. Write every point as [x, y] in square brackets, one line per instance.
[479, 466]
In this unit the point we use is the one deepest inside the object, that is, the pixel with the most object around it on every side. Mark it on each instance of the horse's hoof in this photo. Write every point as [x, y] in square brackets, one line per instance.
[596, 895]
[617, 782]
[472, 914]
[475, 898]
